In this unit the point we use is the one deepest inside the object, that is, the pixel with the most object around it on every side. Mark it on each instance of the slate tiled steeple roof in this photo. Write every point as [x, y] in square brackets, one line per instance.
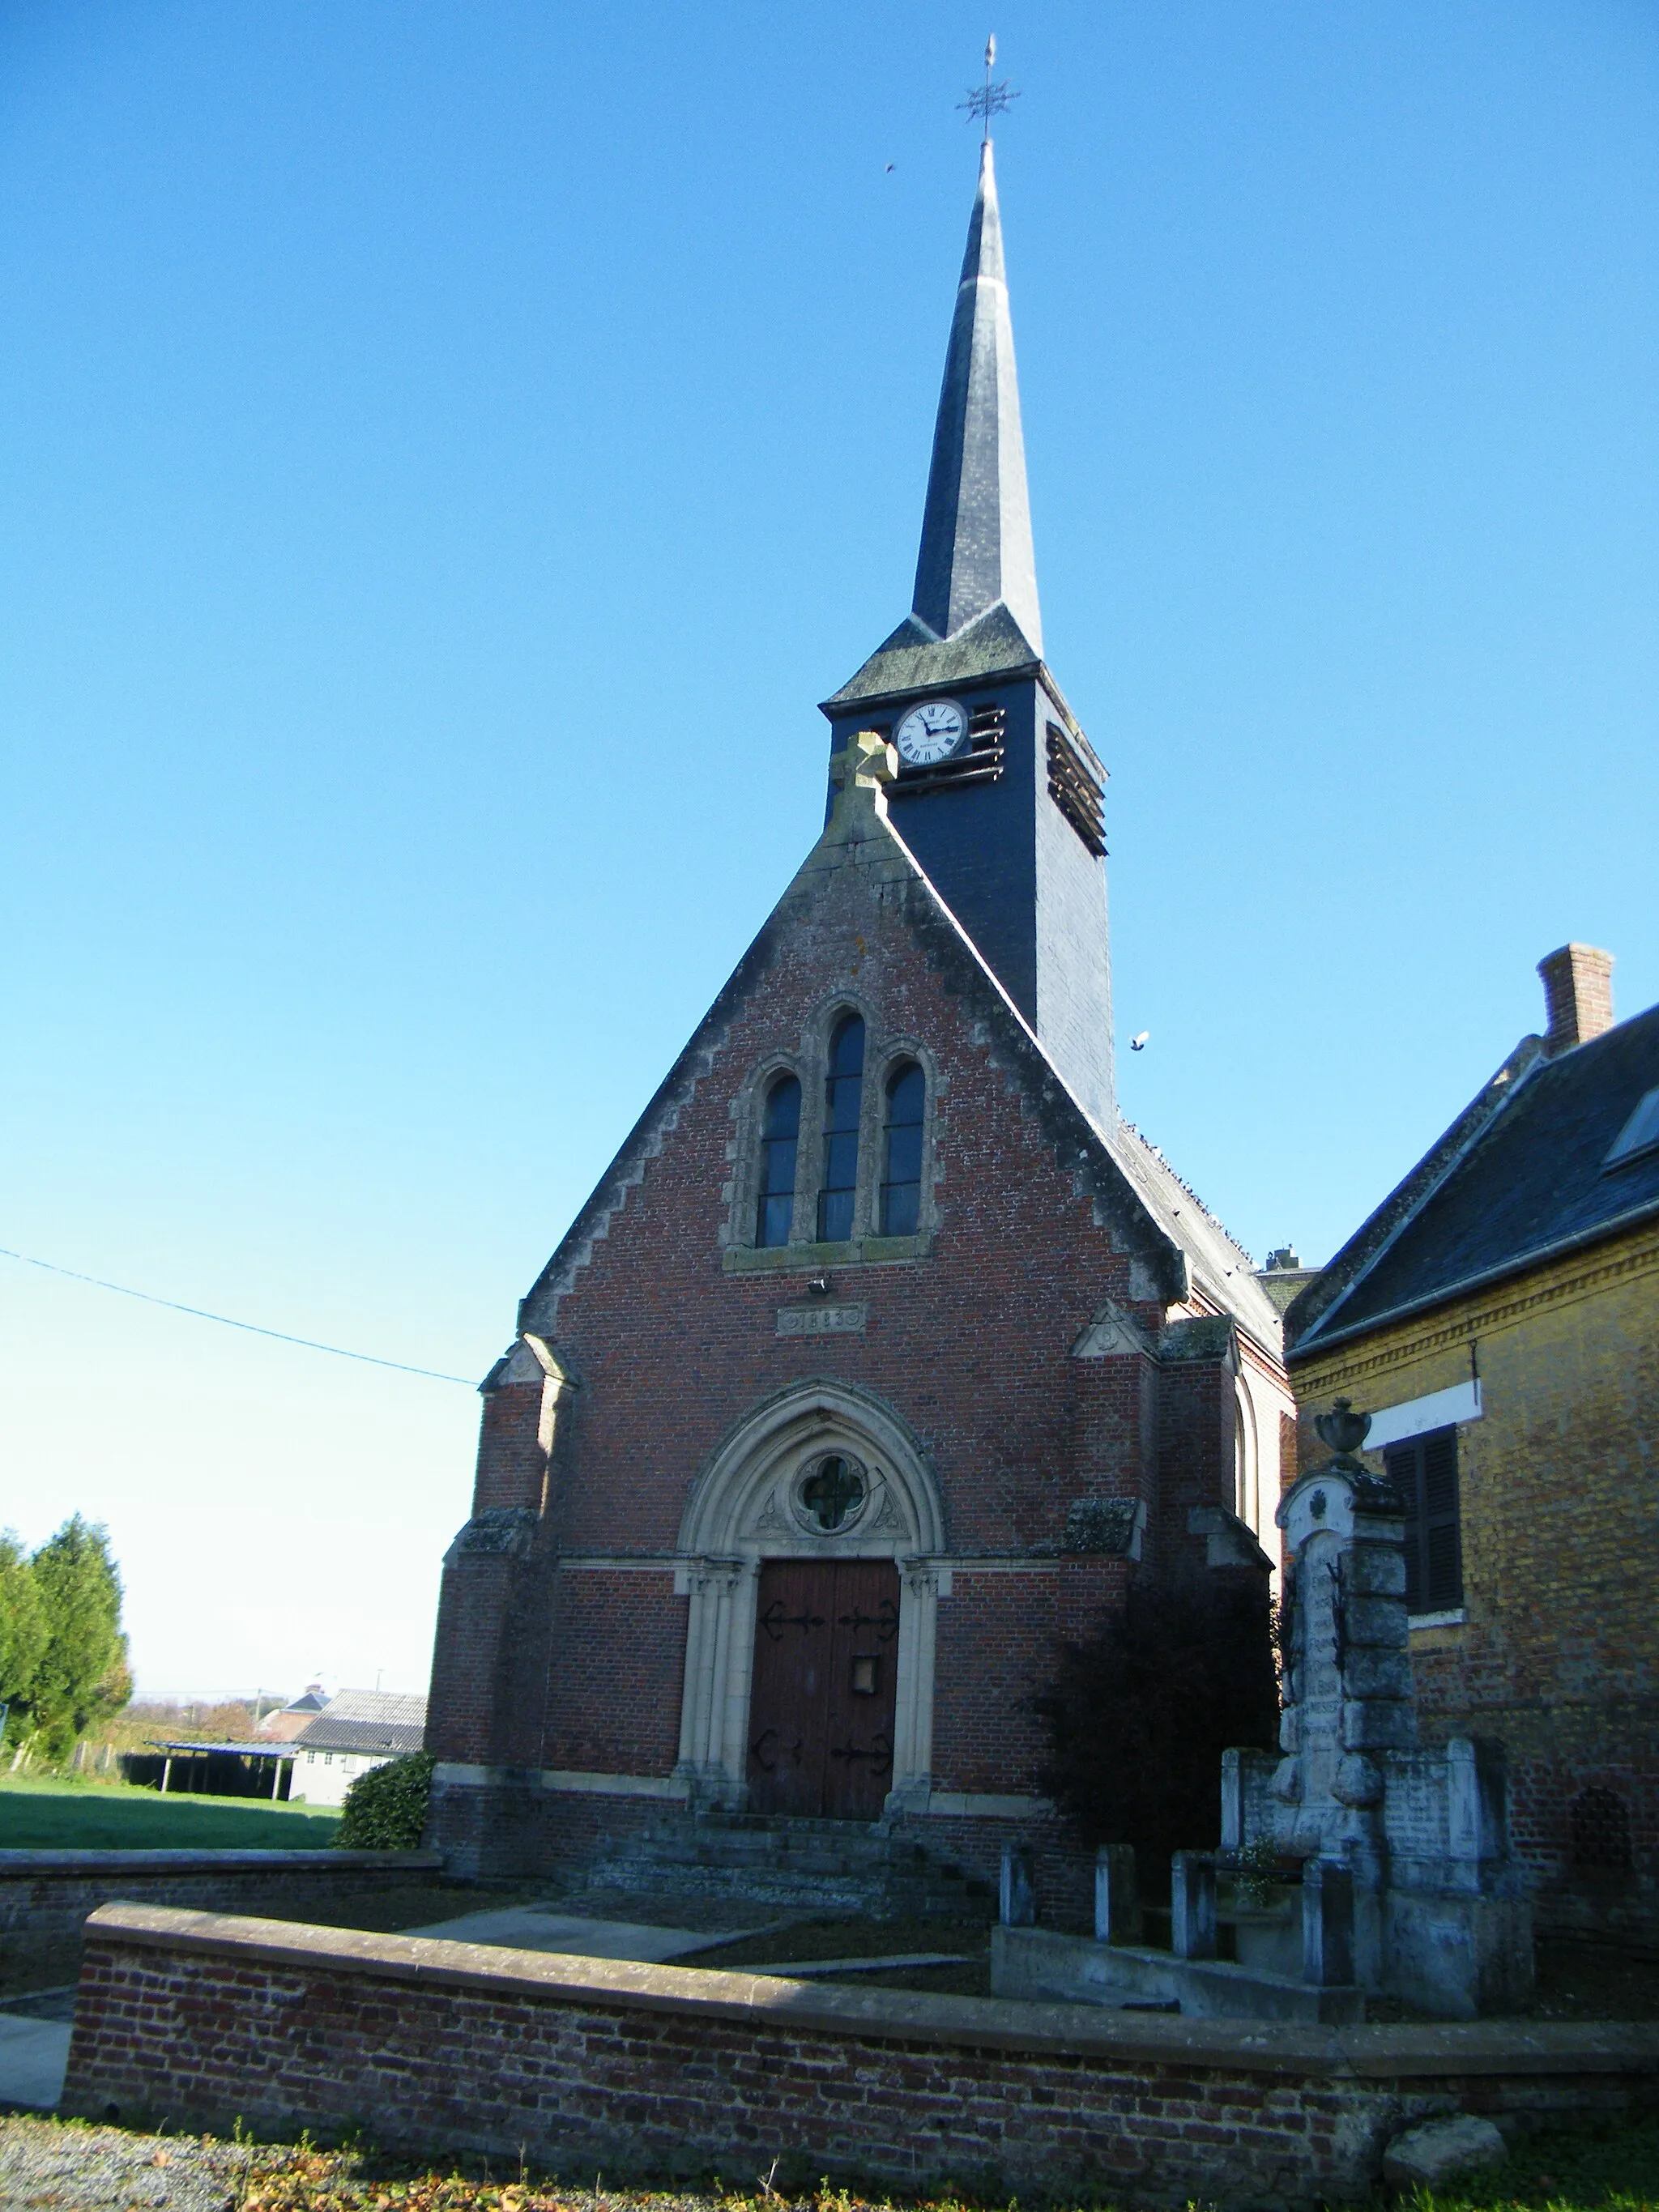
[976, 528]
[975, 610]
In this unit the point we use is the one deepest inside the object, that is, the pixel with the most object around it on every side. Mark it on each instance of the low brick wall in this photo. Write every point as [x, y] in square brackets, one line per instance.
[45, 1896]
[582, 2062]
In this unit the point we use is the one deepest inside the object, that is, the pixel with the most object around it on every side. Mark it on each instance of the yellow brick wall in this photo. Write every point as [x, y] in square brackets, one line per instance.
[1559, 1655]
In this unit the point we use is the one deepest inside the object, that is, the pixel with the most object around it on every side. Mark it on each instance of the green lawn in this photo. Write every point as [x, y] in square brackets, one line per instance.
[112, 1816]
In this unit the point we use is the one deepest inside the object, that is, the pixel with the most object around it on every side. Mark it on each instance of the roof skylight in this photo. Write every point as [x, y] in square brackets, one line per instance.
[1639, 1135]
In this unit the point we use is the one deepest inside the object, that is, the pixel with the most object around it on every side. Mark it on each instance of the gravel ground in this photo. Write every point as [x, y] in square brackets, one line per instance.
[48, 2164]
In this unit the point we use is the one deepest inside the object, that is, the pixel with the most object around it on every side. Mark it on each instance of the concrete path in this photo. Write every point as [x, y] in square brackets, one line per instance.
[547, 1928]
[33, 2056]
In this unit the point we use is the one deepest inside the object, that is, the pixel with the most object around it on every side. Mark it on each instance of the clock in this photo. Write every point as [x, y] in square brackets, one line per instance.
[930, 732]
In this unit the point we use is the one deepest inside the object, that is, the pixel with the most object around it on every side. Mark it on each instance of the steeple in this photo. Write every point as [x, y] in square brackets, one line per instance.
[976, 528]
[998, 793]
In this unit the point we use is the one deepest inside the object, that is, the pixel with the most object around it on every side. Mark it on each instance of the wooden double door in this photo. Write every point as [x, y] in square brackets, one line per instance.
[821, 1710]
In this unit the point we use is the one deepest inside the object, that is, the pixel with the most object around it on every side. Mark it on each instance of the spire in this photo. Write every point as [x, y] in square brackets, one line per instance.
[977, 532]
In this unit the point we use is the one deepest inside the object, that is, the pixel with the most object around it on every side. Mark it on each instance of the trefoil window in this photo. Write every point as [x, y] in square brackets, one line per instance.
[843, 1096]
[774, 1209]
[1424, 1470]
[901, 1173]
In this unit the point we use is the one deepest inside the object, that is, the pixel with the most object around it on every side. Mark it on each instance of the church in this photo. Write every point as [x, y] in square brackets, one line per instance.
[885, 1353]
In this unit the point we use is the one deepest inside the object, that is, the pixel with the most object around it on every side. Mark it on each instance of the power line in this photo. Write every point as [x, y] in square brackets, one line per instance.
[198, 1313]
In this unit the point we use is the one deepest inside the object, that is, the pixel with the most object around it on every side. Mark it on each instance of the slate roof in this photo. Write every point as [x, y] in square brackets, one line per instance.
[914, 660]
[367, 1720]
[975, 610]
[1520, 1176]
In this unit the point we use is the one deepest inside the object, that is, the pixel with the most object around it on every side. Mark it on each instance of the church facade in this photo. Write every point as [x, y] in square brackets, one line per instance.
[885, 1352]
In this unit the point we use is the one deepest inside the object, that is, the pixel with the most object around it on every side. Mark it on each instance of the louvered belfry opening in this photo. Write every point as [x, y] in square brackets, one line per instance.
[1075, 777]
[1425, 1469]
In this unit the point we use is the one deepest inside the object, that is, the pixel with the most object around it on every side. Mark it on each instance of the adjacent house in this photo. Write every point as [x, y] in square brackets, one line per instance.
[1497, 1317]
[355, 1731]
[287, 1721]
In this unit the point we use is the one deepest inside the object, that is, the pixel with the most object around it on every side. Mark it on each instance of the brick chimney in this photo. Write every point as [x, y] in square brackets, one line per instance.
[1578, 995]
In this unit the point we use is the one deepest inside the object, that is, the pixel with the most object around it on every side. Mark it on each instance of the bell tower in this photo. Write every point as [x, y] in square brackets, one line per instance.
[998, 795]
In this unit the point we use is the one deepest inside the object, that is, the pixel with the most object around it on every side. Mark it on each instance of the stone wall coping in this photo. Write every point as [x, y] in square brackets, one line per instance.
[17, 1865]
[1455, 2049]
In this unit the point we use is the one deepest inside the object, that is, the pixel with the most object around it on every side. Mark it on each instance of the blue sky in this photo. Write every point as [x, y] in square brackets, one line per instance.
[450, 447]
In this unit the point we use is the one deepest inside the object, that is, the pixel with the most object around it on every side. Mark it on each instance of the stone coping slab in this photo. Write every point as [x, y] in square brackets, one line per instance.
[13, 1865]
[1456, 2049]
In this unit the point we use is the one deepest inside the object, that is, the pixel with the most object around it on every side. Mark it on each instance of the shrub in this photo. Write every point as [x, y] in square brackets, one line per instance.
[385, 1809]
[1138, 1715]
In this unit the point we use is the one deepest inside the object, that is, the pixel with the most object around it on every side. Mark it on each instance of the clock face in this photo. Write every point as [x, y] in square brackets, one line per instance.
[930, 732]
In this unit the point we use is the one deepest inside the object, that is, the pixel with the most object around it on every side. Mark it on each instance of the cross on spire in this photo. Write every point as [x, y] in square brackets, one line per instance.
[983, 101]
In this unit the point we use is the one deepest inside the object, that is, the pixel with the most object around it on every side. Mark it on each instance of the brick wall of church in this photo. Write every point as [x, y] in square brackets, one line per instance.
[617, 1666]
[669, 1347]
[998, 1632]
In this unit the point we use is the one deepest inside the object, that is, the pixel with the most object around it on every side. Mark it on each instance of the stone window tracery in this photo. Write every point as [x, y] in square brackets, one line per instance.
[834, 1156]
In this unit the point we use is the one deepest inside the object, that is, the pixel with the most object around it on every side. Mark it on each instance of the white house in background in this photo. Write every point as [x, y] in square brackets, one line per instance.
[355, 1731]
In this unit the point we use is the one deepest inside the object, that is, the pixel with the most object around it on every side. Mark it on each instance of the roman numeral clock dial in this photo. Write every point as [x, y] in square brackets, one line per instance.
[930, 732]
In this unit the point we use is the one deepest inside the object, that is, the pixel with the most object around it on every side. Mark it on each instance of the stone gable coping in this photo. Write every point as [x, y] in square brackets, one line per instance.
[1455, 2050]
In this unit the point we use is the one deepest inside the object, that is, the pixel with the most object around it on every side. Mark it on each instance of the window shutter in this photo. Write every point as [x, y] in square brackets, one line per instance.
[1424, 1471]
[1442, 1551]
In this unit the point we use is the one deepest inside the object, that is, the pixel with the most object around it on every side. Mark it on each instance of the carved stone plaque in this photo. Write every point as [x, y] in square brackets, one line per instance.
[821, 1320]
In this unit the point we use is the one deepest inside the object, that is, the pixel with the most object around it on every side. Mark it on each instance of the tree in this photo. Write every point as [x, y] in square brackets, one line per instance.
[1138, 1715]
[82, 1675]
[22, 1627]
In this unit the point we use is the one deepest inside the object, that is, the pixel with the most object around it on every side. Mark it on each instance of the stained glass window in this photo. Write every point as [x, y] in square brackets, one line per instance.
[843, 1096]
[901, 1179]
[779, 1133]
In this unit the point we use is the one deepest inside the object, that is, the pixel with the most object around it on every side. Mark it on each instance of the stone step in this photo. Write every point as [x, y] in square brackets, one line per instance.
[838, 1866]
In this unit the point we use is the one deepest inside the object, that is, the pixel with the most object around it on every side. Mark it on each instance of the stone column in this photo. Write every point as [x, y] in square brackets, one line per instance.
[712, 1586]
[913, 1711]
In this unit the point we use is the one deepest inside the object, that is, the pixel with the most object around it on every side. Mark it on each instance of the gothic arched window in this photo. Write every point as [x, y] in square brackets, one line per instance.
[774, 1209]
[901, 1167]
[843, 1095]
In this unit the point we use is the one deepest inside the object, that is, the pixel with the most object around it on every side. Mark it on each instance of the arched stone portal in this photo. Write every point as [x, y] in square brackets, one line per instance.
[822, 1471]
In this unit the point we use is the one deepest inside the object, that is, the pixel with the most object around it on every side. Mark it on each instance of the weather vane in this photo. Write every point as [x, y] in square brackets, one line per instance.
[988, 99]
